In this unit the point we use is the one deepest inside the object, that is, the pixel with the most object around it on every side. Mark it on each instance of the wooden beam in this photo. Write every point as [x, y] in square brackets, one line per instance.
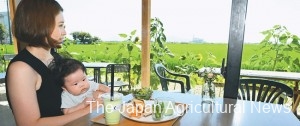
[145, 57]
[12, 9]
[235, 47]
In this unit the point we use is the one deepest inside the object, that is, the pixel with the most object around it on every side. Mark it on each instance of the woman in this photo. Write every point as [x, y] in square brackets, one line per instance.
[32, 94]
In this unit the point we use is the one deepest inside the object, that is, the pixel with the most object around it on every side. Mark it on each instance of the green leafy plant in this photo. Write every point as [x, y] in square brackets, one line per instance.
[131, 42]
[3, 33]
[157, 109]
[157, 54]
[158, 45]
[142, 94]
[276, 49]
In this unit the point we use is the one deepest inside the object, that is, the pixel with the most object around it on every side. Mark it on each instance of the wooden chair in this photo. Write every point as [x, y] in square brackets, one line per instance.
[119, 74]
[296, 103]
[264, 91]
[164, 75]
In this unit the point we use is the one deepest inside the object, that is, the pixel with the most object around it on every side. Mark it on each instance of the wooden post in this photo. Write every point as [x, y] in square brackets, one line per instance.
[235, 47]
[145, 64]
[12, 9]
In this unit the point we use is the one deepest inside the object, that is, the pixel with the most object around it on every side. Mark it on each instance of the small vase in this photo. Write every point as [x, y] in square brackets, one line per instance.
[157, 110]
[208, 92]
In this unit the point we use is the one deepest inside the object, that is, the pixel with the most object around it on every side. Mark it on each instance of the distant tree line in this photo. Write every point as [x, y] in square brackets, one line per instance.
[84, 38]
[78, 37]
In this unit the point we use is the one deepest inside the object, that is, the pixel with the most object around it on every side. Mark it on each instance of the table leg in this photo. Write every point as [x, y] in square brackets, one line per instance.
[99, 76]
[96, 75]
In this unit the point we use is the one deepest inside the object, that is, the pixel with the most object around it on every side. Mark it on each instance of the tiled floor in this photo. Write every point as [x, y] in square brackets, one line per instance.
[8, 118]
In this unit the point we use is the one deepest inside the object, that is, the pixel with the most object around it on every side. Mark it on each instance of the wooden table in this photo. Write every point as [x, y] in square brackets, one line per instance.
[226, 112]
[97, 66]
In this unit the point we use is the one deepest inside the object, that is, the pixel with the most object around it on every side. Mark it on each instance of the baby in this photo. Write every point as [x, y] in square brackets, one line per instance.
[77, 90]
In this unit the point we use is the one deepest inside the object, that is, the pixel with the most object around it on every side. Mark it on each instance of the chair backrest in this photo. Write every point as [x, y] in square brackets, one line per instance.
[165, 76]
[160, 71]
[263, 90]
[7, 58]
[121, 73]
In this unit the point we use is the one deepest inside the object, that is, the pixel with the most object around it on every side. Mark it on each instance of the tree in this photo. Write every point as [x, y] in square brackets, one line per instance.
[75, 35]
[96, 39]
[3, 33]
[84, 37]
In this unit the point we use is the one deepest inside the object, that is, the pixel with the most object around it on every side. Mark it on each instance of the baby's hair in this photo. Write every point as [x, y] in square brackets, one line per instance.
[63, 67]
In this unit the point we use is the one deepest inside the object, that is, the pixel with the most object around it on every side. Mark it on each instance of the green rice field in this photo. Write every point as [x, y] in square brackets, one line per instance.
[198, 54]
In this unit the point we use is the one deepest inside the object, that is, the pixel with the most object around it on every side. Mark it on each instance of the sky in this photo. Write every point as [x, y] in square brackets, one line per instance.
[3, 5]
[183, 19]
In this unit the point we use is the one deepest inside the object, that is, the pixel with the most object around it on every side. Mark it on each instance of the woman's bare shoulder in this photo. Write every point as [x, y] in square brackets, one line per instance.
[20, 66]
[22, 71]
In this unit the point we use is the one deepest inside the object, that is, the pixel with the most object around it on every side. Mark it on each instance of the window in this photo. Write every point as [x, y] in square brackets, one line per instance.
[4, 23]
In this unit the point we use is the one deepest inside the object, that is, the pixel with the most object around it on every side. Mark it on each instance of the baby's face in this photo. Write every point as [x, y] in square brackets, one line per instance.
[76, 83]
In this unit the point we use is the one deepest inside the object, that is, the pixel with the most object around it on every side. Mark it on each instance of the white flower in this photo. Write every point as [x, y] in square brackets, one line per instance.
[210, 75]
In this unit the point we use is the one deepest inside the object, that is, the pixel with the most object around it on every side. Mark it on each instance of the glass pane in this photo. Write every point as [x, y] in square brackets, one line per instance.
[102, 18]
[4, 23]
[194, 20]
[262, 16]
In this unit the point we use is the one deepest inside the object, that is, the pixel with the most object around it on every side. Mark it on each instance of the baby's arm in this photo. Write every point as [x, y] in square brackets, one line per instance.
[103, 88]
[97, 94]
[100, 89]
[82, 105]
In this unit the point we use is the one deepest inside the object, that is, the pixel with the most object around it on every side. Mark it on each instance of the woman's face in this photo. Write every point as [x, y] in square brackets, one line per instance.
[59, 31]
[76, 83]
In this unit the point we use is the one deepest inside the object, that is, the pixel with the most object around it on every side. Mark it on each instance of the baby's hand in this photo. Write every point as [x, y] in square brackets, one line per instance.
[99, 101]
[98, 94]
[104, 88]
[87, 101]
